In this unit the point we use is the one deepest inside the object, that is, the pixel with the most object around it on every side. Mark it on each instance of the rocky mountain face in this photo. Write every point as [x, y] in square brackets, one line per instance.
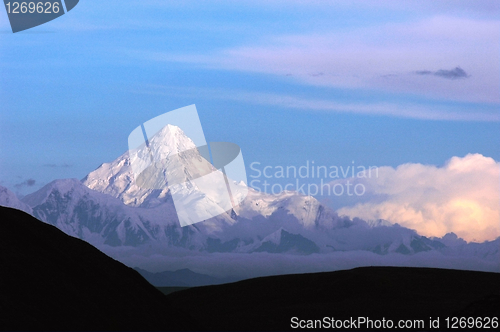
[275, 224]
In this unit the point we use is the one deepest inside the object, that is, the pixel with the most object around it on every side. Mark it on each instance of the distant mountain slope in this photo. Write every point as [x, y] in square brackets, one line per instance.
[395, 293]
[283, 241]
[9, 199]
[181, 278]
[51, 281]
[106, 222]
[97, 217]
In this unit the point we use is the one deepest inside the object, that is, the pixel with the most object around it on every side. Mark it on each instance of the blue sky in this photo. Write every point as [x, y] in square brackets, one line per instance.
[289, 81]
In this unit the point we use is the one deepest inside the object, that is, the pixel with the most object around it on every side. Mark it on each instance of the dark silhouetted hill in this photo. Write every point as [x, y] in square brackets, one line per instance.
[51, 281]
[395, 293]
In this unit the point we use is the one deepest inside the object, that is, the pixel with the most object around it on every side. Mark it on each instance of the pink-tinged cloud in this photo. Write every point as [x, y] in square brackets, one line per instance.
[462, 197]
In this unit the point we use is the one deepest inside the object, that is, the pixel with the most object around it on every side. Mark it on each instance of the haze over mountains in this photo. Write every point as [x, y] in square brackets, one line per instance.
[265, 234]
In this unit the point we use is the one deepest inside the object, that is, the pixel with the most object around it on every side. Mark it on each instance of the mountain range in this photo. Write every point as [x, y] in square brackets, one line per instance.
[109, 210]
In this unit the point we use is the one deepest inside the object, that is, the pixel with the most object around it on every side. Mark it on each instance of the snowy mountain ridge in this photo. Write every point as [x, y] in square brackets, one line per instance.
[9, 199]
[107, 208]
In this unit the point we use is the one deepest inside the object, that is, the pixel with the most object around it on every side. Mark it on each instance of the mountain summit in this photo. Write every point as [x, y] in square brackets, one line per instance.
[117, 178]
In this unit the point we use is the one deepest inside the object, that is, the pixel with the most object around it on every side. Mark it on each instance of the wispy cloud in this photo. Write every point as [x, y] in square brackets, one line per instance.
[452, 74]
[64, 165]
[395, 109]
[384, 57]
[27, 183]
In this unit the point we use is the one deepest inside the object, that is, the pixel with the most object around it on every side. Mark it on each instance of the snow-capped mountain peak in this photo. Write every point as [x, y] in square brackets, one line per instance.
[170, 149]
[9, 199]
[181, 161]
[63, 187]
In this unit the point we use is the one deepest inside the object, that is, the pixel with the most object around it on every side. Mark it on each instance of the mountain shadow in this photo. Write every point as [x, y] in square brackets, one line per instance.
[52, 281]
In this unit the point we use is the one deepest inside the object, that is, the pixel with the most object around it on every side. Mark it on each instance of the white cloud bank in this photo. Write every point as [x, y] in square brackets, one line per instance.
[462, 197]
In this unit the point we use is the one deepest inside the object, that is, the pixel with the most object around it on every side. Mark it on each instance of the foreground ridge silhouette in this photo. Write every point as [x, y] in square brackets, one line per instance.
[269, 303]
[52, 281]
